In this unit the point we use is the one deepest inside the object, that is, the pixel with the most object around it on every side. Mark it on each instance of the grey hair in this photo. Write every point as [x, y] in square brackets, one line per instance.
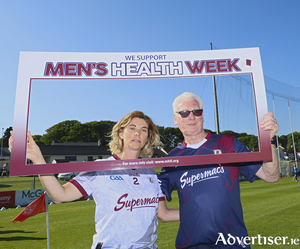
[186, 96]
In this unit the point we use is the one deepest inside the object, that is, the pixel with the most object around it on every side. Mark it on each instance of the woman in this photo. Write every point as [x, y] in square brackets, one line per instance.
[127, 201]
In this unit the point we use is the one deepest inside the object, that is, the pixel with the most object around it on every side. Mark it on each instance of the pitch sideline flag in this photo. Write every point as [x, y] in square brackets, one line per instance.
[33, 208]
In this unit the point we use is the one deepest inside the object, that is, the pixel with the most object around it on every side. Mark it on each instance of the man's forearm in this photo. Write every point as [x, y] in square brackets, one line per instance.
[270, 170]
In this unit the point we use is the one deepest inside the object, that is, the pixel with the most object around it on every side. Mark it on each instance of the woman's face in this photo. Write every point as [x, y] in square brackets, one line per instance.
[134, 135]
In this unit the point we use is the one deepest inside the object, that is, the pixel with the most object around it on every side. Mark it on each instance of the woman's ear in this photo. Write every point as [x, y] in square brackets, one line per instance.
[121, 133]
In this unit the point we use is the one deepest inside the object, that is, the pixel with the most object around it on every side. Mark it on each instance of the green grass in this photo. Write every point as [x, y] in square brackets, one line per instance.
[20, 183]
[269, 210]
[272, 209]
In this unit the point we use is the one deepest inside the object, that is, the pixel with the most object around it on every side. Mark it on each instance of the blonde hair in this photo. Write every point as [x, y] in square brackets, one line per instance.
[186, 96]
[116, 144]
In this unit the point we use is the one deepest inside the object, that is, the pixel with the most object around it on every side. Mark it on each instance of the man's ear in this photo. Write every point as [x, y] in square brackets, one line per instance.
[175, 117]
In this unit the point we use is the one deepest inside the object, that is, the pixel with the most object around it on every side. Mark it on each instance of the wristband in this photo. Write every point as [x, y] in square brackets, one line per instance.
[273, 140]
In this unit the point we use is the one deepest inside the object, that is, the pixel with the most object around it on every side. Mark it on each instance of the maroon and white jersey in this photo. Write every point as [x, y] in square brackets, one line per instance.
[126, 206]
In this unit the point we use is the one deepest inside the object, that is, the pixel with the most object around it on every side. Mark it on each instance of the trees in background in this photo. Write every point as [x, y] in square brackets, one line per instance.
[287, 141]
[73, 131]
[251, 141]
[6, 135]
[170, 136]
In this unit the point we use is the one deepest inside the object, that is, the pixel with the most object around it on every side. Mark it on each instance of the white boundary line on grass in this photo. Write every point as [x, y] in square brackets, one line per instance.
[271, 212]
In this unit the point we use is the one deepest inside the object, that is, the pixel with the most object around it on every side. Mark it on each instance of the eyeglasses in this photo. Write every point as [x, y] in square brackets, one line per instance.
[185, 114]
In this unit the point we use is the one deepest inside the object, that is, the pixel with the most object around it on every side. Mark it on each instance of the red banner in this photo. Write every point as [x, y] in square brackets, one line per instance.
[7, 199]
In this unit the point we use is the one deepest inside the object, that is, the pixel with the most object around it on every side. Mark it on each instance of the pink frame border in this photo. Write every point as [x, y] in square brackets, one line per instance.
[31, 67]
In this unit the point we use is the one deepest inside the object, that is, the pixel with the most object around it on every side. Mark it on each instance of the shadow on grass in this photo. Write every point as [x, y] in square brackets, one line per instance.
[18, 238]
[5, 185]
[14, 231]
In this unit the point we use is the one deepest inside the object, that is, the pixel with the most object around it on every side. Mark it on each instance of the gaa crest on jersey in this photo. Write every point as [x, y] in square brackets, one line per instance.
[216, 152]
[116, 178]
[150, 179]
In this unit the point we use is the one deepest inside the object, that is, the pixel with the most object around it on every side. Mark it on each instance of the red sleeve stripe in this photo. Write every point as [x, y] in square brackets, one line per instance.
[80, 188]
[162, 198]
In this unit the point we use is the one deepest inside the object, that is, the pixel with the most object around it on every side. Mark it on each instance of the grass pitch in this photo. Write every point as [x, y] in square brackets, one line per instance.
[270, 209]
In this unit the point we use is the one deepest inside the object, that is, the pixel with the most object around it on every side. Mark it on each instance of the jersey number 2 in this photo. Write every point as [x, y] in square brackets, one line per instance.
[135, 181]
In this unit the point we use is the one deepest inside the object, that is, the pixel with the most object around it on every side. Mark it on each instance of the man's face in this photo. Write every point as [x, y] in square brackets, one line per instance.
[192, 125]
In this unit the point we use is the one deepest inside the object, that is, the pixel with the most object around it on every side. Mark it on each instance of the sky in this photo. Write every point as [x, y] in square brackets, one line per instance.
[151, 26]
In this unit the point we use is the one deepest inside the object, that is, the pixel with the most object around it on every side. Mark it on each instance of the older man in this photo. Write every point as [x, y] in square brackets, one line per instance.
[210, 209]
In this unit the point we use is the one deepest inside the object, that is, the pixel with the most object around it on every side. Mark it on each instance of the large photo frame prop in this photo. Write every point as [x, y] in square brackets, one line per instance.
[183, 64]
